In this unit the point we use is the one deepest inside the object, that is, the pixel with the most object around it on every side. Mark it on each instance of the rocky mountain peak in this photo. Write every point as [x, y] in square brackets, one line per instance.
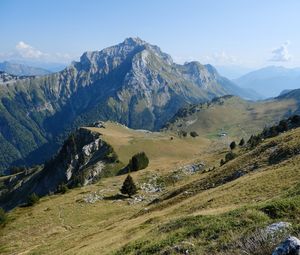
[134, 41]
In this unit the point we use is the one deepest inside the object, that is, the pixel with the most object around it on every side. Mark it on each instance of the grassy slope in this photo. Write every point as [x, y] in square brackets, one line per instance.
[237, 117]
[62, 224]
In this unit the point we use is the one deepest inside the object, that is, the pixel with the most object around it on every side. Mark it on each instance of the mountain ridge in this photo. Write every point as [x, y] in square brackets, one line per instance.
[21, 69]
[233, 116]
[270, 81]
[133, 83]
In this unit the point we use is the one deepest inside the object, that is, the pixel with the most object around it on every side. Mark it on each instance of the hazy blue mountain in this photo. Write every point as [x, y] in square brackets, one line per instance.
[271, 81]
[53, 67]
[22, 70]
[285, 92]
[233, 71]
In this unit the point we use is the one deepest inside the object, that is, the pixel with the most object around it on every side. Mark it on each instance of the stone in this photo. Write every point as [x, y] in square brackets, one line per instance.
[278, 227]
[290, 246]
[192, 168]
[92, 198]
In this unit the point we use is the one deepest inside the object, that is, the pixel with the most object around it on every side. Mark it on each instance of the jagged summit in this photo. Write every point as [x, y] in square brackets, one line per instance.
[118, 53]
[134, 41]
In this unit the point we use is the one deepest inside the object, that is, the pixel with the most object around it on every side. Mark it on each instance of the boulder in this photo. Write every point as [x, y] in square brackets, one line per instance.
[278, 227]
[290, 246]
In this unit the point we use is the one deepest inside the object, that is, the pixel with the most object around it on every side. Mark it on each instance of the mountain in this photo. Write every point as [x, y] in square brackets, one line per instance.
[133, 83]
[22, 70]
[285, 92]
[233, 71]
[270, 81]
[6, 78]
[233, 117]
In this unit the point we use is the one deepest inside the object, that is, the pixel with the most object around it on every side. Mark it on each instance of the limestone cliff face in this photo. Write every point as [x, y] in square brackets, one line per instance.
[81, 161]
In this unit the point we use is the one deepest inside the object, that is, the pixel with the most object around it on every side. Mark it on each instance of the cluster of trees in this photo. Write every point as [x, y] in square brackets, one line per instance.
[137, 162]
[254, 140]
[282, 126]
[230, 155]
[183, 133]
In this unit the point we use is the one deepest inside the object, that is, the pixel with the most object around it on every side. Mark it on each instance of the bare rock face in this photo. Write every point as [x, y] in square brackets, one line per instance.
[80, 161]
[290, 246]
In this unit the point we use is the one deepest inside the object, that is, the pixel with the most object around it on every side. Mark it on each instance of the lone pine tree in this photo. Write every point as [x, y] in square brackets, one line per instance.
[128, 186]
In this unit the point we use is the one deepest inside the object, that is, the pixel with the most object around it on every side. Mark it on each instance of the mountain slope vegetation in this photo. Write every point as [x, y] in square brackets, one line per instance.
[206, 211]
[133, 83]
[234, 117]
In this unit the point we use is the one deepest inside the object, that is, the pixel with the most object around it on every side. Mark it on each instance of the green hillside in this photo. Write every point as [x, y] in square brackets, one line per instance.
[232, 116]
[200, 205]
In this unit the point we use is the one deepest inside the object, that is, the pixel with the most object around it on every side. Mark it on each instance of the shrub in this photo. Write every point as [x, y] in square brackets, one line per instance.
[232, 145]
[62, 188]
[260, 242]
[229, 156]
[128, 186]
[222, 162]
[283, 126]
[193, 134]
[242, 142]
[3, 217]
[138, 161]
[182, 133]
[295, 119]
[32, 199]
[254, 140]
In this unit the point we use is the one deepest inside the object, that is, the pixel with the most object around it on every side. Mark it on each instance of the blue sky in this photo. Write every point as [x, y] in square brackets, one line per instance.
[245, 33]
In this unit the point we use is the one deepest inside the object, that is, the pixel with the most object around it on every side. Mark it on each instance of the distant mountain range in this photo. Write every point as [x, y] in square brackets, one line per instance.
[133, 83]
[22, 70]
[271, 81]
[6, 78]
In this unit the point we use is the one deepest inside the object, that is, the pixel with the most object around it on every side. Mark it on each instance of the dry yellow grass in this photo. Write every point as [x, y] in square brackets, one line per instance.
[163, 152]
[63, 224]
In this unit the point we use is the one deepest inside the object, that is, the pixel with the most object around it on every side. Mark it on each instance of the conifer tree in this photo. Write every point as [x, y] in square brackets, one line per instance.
[232, 145]
[128, 186]
[242, 142]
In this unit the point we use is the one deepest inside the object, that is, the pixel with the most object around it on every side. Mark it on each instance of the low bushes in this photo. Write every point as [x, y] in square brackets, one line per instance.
[194, 134]
[3, 218]
[32, 199]
[138, 161]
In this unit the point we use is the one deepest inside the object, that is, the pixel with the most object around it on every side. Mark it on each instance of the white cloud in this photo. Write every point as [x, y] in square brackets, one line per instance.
[281, 54]
[24, 51]
[27, 51]
[221, 58]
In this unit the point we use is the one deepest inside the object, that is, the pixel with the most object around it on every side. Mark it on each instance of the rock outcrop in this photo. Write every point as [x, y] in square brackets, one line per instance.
[81, 161]
[290, 246]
